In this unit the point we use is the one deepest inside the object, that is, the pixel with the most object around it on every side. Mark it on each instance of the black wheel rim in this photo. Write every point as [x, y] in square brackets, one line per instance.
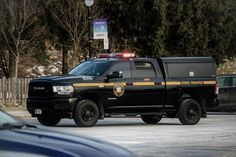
[156, 117]
[192, 112]
[88, 113]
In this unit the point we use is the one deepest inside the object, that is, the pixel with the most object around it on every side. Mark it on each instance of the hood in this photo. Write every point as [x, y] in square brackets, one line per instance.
[65, 79]
[48, 143]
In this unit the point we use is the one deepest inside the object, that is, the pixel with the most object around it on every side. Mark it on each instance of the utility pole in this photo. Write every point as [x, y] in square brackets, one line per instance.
[89, 3]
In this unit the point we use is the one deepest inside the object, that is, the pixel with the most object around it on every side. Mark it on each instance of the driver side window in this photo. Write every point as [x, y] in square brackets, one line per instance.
[124, 67]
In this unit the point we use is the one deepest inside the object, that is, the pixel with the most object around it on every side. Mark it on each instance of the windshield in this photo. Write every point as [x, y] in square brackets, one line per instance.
[5, 118]
[91, 68]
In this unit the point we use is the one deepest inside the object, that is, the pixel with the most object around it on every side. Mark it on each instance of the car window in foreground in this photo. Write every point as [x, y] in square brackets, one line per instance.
[4, 118]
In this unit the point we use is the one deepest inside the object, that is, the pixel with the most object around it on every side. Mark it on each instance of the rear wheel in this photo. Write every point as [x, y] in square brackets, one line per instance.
[151, 119]
[86, 114]
[49, 119]
[189, 112]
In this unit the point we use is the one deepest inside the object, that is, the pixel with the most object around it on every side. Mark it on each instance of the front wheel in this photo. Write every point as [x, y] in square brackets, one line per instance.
[49, 119]
[86, 113]
[189, 112]
[151, 119]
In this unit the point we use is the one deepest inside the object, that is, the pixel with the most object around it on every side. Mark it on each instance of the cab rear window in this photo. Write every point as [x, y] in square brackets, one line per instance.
[144, 69]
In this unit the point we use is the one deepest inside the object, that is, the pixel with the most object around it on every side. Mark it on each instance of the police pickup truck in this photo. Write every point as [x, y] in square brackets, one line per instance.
[111, 84]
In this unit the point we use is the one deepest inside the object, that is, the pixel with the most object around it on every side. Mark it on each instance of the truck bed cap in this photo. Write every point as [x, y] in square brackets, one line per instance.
[187, 59]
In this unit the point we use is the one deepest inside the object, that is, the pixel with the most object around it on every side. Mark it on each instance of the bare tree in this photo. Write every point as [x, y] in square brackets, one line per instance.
[18, 27]
[4, 60]
[70, 15]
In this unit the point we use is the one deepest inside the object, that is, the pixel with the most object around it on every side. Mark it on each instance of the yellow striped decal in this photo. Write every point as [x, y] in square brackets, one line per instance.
[209, 82]
[109, 84]
[100, 85]
[196, 82]
[143, 83]
[173, 83]
[191, 83]
[170, 83]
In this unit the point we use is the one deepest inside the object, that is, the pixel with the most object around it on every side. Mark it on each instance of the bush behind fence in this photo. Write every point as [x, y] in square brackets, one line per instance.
[14, 92]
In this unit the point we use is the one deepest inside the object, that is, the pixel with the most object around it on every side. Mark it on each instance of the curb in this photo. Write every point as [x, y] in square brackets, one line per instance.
[19, 114]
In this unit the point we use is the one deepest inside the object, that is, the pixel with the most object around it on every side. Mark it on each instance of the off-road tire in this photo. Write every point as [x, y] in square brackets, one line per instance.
[86, 113]
[49, 119]
[189, 112]
[151, 119]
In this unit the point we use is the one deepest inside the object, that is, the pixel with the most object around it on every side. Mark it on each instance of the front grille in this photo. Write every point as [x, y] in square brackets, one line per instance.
[40, 89]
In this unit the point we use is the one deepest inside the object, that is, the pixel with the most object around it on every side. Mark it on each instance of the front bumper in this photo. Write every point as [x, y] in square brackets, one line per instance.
[60, 106]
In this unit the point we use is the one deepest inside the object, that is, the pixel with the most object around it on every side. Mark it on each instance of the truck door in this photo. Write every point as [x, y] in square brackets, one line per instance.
[224, 91]
[119, 94]
[149, 88]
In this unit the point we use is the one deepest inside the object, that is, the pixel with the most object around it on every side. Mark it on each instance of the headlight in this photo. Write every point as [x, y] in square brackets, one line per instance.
[63, 90]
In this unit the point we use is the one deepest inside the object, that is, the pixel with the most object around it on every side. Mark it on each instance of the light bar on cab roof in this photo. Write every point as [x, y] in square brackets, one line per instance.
[116, 55]
[103, 55]
[128, 55]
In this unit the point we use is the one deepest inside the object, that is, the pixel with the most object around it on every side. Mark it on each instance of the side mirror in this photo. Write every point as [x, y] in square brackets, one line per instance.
[115, 74]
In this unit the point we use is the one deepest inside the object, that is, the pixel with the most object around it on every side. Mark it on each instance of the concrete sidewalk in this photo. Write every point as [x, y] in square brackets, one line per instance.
[20, 114]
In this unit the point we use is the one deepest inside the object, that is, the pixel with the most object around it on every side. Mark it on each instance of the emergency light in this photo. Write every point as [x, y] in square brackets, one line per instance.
[116, 55]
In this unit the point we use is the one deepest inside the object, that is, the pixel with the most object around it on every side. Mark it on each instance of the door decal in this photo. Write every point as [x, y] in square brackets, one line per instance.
[118, 89]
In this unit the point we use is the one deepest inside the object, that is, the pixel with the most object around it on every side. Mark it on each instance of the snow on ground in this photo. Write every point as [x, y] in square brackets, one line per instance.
[53, 68]
[41, 70]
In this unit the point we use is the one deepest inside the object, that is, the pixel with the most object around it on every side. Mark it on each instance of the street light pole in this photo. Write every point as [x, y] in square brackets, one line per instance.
[89, 33]
[89, 3]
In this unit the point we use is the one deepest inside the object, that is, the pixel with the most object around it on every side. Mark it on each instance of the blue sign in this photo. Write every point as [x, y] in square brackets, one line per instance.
[100, 29]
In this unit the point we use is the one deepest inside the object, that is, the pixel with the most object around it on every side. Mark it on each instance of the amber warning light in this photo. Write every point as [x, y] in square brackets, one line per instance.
[116, 55]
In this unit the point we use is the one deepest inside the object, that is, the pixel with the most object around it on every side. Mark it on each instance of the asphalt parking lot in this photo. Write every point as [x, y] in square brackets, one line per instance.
[214, 136]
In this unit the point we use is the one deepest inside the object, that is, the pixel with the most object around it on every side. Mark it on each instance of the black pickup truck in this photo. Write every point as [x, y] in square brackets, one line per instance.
[174, 87]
